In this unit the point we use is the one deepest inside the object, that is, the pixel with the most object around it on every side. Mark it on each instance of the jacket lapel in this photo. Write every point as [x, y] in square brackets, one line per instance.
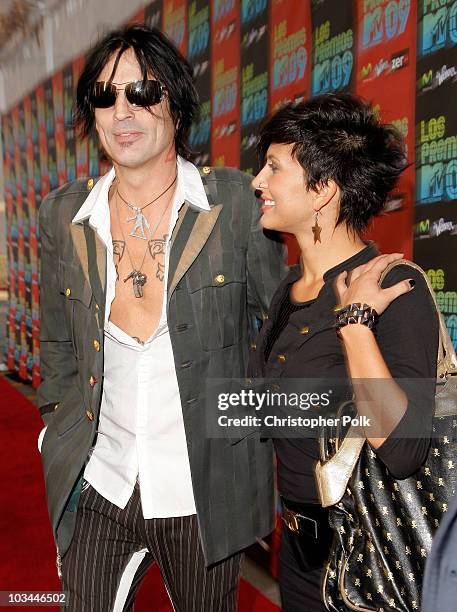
[79, 242]
[92, 256]
[96, 254]
[188, 240]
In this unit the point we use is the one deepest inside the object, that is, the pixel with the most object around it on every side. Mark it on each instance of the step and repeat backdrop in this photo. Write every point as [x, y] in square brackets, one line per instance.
[249, 57]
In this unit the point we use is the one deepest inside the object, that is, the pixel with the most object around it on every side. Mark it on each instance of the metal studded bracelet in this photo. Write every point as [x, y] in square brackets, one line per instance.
[356, 313]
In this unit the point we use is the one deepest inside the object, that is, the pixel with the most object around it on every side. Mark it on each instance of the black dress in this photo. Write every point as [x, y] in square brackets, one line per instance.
[299, 341]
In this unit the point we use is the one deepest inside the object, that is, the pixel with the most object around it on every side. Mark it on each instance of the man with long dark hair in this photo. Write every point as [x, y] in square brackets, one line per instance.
[152, 280]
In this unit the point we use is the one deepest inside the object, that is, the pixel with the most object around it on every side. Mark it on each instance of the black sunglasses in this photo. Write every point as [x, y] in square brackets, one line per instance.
[138, 93]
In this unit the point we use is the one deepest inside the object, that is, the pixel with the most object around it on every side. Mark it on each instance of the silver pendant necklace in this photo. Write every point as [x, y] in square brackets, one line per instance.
[140, 221]
[138, 278]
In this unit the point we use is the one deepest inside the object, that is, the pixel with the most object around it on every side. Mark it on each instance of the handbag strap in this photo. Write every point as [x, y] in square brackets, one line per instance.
[348, 451]
[446, 362]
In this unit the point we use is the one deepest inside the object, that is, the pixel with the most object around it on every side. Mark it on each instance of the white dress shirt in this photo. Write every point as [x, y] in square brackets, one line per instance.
[141, 428]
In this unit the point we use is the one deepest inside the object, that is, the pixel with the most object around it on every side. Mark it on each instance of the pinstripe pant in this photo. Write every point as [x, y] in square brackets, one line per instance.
[112, 550]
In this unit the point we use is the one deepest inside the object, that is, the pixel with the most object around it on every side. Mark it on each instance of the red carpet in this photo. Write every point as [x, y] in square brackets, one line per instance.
[27, 550]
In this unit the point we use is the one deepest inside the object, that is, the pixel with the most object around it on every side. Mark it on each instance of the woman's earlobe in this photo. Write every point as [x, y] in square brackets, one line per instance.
[326, 193]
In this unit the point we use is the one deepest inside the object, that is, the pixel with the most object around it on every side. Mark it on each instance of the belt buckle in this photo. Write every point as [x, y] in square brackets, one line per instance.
[291, 520]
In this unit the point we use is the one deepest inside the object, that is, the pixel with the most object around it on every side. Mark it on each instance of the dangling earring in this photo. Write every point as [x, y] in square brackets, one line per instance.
[316, 229]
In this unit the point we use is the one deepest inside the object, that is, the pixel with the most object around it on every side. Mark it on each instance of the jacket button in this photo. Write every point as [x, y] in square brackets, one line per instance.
[253, 346]
[304, 330]
[220, 278]
[96, 345]
[68, 291]
[282, 358]
[97, 307]
[90, 183]
[92, 381]
[90, 415]
[206, 169]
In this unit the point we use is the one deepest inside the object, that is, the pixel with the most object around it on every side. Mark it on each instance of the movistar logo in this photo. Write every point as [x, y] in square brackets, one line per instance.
[430, 80]
[427, 229]
[425, 81]
[422, 229]
[365, 71]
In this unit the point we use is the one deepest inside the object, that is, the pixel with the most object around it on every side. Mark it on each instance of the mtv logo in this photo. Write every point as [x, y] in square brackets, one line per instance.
[321, 77]
[430, 183]
[436, 181]
[434, 30]
[373, 28]
[439, 30]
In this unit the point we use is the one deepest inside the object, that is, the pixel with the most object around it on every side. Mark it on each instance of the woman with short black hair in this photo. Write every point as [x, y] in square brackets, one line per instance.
[329, 166]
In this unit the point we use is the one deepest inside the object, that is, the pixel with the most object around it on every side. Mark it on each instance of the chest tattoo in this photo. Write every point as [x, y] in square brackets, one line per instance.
[118, 253]
[157, 246]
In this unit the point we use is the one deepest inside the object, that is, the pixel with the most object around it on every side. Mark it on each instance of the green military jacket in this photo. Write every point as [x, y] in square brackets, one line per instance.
[223, 271]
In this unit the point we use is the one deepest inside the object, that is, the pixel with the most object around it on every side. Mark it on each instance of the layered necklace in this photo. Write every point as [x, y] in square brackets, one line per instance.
[138, 278]
[140, 221]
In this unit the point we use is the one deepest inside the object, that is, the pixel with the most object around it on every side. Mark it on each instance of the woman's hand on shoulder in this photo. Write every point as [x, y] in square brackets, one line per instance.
[364, 285]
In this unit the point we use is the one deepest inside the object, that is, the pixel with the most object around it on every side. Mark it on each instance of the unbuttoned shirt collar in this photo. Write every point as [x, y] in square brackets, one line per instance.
[189, 187]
